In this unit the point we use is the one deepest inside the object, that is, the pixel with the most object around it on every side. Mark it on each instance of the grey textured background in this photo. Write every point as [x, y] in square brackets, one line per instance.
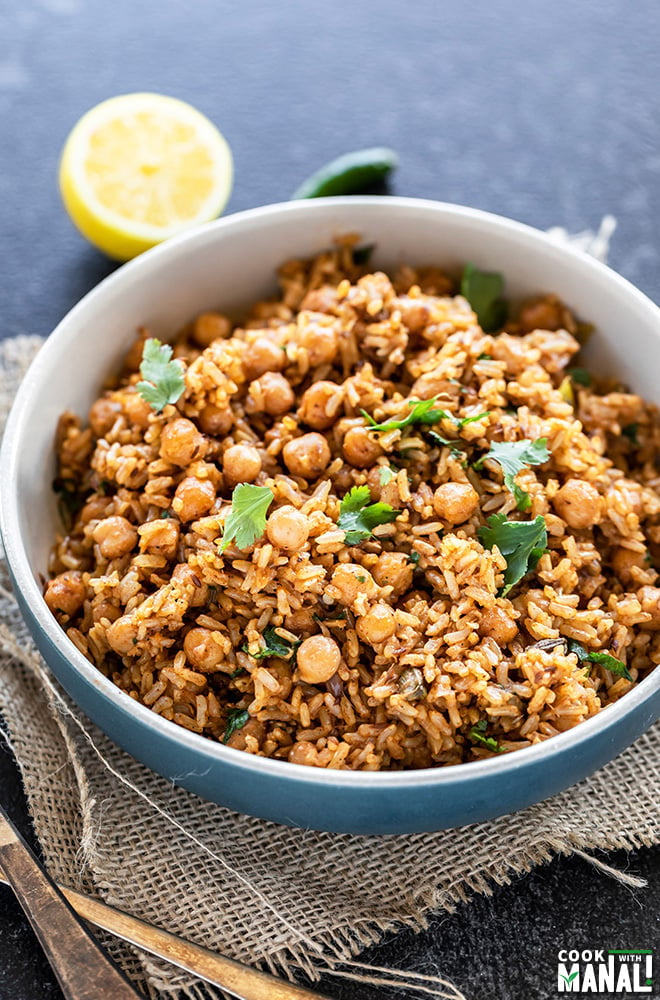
[545, 111]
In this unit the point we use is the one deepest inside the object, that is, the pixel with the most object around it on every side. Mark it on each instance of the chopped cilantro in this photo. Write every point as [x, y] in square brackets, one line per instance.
[386, 474]
[165, 514]
[236, 719]
[163, 377]
[237, 673]
[358, 518]
[604, 659]
[275, 645]
[413, 557]
[485, 357]
[247, 518]
[522, 543]
[421, 412]
[630, 431]
[478, 735]
[580, 376]
[455, 444]
[483, 290]
[513, 457]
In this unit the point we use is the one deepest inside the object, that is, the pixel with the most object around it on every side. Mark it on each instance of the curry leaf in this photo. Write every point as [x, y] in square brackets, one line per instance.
[358, 518]
[522, 543]
[483, 290]
[513, 457]
[246, 520]
[163, 377]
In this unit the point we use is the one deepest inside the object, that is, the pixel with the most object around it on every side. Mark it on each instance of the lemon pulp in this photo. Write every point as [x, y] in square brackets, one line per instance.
[139, 168]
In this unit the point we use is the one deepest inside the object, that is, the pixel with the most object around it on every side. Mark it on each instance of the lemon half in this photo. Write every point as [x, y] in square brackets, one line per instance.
[139, 168]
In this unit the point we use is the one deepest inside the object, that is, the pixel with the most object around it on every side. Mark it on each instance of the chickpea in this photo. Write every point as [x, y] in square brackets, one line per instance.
[578, 503]
[320, 342]
[455, 502]
[288, 529]
[348, 580]
[414, 312]
[102, 415]
[209, 327]
[205, 649]
[181, 443]
[216, 421]
[307, 456]
[394, 570]
[115, 536]
[625, 561]
[303, 753]
[187, 577]
[545, 312]
[65, 593]
[496, 623]
[272, 394]
[314, 405]
[253, 728]
[122, 636]
[318, 659]
[160, 536]
[105, 609]
[241, 463]
[649, 598]
[377, 625]
[193, 498]
[360, 448]
[96, 507]
[320, 299]
[263, 355]
[137, 410]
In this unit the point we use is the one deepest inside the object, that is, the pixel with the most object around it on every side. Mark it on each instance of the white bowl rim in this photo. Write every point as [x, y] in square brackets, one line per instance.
[202, 745]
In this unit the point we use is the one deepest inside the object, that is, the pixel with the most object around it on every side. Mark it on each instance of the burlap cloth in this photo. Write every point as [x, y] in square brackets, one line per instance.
[290, 900]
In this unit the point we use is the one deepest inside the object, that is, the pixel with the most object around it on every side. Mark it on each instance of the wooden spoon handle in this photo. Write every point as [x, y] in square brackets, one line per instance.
[83, 970]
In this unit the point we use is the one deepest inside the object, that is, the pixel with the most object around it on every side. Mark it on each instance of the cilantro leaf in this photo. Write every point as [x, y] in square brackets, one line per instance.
[357, 517]
[483, 290]
[455, 444]
[522, 543]
[163, 378]
[630, 431]
[247, 518]
[236, 719]
[604, 659]
[580, 376]
[513, 457]
[421, 412]
[275, 646]
[478, 735]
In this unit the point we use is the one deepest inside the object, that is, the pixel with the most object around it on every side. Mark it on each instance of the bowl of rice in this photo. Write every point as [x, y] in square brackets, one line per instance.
[346, 513]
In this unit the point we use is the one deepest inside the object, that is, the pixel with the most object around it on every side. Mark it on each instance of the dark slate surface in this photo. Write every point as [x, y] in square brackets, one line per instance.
[547, 112]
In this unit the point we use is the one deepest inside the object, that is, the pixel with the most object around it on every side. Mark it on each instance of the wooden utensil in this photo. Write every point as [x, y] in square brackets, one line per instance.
[83, 970]
[237, 979]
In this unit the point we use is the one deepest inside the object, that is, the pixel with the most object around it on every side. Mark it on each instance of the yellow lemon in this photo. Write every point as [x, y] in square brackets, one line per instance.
[139, 168]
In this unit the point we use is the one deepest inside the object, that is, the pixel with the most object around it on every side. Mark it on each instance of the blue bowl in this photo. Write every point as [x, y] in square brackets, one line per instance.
[229, 264]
